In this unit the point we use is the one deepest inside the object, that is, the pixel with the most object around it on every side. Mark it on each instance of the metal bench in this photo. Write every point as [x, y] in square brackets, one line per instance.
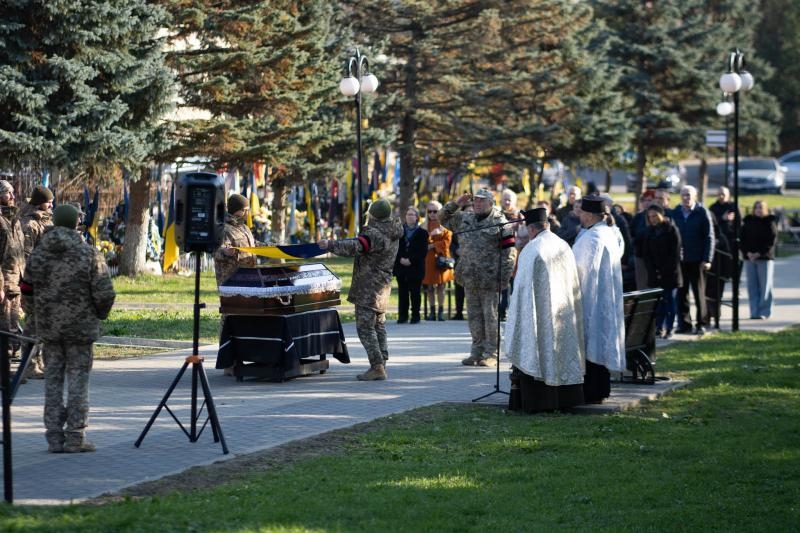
[640, 334]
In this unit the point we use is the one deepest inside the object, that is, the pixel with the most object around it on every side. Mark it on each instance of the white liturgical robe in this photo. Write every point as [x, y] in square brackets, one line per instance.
[544, 331]
[598, 256]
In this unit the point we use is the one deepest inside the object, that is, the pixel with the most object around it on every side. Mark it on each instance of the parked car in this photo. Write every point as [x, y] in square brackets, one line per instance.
[760, 174]
[791, 161]
[660, 176]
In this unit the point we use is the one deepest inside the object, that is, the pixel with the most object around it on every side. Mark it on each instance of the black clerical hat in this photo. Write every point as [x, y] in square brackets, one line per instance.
[537, 214]
[593, 204]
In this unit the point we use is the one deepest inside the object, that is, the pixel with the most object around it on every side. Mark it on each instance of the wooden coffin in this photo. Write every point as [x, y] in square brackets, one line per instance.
[279, 290]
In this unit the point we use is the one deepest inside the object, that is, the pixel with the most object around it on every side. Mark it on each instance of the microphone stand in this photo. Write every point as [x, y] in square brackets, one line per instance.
[497, 389]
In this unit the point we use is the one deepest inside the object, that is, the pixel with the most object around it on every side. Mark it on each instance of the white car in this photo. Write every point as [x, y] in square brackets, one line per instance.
[761, 174]
[791, 161]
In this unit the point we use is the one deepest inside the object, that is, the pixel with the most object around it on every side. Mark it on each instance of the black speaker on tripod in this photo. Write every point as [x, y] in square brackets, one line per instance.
[199, 211]
[199, 223]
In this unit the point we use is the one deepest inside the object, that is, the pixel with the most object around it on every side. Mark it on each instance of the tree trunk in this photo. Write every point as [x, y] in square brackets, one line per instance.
[408, 134]
[702, 185]
[278, 209]
[134, 250]
[641, 181]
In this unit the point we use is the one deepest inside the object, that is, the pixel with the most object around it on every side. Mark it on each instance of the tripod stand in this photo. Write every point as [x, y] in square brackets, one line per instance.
[497, 389]
[198, 375]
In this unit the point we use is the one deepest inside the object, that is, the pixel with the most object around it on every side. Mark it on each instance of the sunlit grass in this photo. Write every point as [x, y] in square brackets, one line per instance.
[720, 454]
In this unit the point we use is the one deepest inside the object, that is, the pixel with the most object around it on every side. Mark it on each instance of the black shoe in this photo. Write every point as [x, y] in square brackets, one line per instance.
[458, 316]
[430, 317]
[402, 320]
[441, 317]
[415, 320]
[659, 332]
[700, 330]
[684, 330]
[667, 335]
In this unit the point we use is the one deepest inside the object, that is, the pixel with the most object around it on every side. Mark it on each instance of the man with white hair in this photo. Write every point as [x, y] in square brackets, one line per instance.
[697, 239]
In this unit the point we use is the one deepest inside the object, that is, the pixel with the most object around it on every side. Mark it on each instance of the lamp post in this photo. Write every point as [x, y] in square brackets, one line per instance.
[358, 81]
[733, 81]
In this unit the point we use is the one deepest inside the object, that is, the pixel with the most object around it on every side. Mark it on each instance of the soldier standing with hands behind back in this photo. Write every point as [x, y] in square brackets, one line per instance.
[483, 233]
[72, 292]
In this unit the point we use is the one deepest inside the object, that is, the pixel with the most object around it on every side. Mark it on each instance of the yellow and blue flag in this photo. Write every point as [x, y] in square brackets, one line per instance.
[171, 250]
[286, 251]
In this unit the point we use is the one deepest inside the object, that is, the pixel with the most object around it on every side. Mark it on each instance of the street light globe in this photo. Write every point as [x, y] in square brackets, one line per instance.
[747, 80]
[349, 86]
[724, 109]
[369, 83]
[730, 82]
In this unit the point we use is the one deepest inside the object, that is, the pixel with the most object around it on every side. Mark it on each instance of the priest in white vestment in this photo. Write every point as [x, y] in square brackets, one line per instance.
[544, 332]
[598, 256]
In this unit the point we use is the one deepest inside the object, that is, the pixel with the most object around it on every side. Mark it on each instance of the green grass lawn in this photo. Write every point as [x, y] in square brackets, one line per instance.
[719, 455]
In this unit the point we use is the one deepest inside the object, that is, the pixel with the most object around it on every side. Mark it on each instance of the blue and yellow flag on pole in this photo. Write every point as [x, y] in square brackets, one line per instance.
[286, 251]
[171, 250]
[255, 204]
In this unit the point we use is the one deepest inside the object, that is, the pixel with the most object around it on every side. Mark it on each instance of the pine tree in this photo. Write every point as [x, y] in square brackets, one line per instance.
[82, 84]
[671, 59]
[778, 42]
[498, 81]
[266, 74]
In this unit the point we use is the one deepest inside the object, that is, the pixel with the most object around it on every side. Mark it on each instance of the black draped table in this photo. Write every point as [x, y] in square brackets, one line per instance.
[281, 347]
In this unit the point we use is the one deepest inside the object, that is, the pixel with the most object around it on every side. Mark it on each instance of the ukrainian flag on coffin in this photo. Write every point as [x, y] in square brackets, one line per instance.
[286, 251]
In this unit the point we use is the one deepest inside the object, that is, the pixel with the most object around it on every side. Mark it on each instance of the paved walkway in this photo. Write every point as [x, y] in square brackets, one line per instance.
[424, 369]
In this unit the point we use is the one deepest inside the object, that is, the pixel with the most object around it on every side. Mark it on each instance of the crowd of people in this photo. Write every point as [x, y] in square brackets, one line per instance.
[56, 288]
[556, 277]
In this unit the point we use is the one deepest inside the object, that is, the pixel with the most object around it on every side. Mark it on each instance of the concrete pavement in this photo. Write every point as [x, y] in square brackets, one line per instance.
[424, 369]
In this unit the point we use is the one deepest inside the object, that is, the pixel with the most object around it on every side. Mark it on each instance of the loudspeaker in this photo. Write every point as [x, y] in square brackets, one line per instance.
[199, 211]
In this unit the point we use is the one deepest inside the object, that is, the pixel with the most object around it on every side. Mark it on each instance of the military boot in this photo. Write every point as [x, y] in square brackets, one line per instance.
[488, 361]
[375, 373]
[77, 447]
[472, 360]
[55, 441]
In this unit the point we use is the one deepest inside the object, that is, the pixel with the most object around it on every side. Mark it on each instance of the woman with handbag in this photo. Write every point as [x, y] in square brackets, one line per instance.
[438, 263]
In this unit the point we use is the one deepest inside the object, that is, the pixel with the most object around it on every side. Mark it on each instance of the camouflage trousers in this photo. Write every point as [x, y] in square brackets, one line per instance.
[70, 362]
[371, 329]
[9, 319]
[29, 330]
[482, 316]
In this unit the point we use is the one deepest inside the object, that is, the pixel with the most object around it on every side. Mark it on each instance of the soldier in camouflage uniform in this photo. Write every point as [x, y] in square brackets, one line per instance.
[227, 258]
[481, 237]
[13, 263]
[235, 235]
[374, 250]
[34, 218]
[72, 292]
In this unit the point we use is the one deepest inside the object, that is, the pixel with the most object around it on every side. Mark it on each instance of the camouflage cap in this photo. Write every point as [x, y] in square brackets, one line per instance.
[5, 187]
[484, 193]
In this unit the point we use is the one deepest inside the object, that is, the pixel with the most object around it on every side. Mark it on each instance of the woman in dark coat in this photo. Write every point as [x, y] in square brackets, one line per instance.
[662, 255]
[759, 236]
[409, 267]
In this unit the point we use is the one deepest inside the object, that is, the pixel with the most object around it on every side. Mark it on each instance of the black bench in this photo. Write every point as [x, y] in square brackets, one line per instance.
[640, 334]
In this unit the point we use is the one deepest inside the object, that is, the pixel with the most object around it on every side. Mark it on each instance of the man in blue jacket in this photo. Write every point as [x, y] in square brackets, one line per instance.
[697, 238]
